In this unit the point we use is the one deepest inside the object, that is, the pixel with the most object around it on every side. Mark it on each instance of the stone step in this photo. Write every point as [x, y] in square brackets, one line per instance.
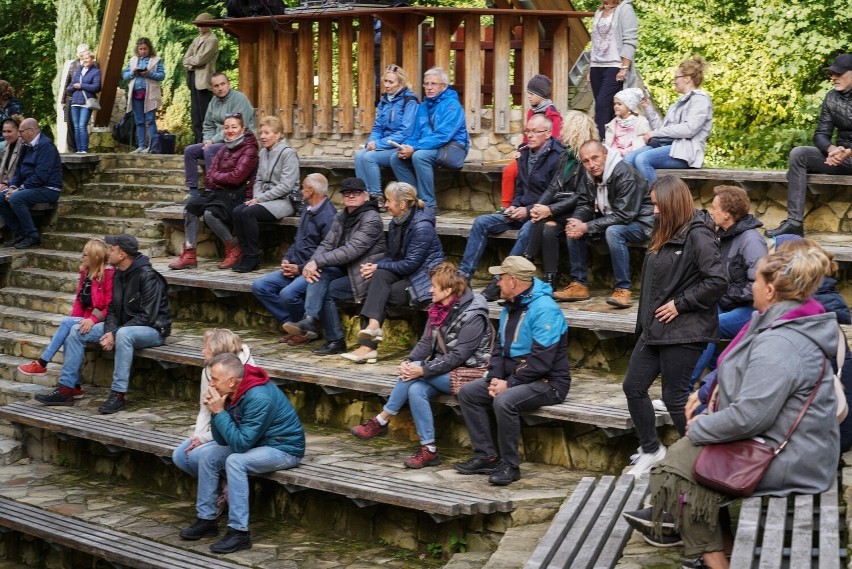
[42, 300]
[142, 162]
[113, 208]
[29, 321]
[167, 177]
[134, 189]
[45, 279]
[21, 348]
[68, 241]
[102, 225]
[10, 450]
[14, 392]
[67, 261]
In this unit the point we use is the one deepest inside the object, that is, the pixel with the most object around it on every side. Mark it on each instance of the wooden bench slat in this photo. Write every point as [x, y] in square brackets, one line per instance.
[772, 546]
[563, 520]
[620, 534]
[746, 538]
[603, 524]
[829, 532]
[570, 547]
[802, 541]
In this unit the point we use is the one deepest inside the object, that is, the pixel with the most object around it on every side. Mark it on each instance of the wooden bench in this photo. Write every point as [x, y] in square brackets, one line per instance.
[746, 176]
[588, 530]
[346, 166]
[120, 549]
[363, 487]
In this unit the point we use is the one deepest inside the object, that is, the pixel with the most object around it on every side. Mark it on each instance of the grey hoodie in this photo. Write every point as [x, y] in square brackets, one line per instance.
[688, 121]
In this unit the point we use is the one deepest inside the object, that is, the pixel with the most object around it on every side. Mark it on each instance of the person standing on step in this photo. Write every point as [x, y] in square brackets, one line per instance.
[37, 179]
[73, 66]
[614, 206]
[144, 74]
[825, 157]
[282, 292]
[682, 281]
[200, 64]
[229, 178]
[528, 370]
[227, 102]
[357, 237]
[256, 430]
[85, 83]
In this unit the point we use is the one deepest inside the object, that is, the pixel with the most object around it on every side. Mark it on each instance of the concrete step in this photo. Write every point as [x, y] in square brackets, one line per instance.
[29, 321]
[68, 241]
[134, 188]
[10, 450]
[114, 208]
[45, 279]
[42, 300]
[102, 225]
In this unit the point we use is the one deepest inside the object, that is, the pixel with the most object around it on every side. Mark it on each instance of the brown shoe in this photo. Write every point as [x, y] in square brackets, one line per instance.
[298, 340]
[285, 338]
[573, 292]
[620, 298]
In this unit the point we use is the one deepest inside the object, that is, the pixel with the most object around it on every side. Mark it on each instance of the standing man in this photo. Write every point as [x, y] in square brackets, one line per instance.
[200, 64]
[824, 157]
[138, 317]
[37, 179]
[255, 430]
[528, 370]
[228, 102]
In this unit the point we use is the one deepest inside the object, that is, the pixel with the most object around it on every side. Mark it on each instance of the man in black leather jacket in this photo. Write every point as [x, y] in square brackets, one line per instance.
[824, 157]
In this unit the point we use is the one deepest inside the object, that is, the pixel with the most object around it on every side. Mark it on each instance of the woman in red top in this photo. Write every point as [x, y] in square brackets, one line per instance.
[94, 293]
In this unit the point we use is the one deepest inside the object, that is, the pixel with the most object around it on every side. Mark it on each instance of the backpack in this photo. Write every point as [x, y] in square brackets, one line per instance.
[251, 8]
[163, 142]
[124, 130]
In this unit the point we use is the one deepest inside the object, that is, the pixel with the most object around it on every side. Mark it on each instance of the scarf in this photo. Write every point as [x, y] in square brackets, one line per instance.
[629, 122]
[438, 312]
[231, 144]
[542, 107]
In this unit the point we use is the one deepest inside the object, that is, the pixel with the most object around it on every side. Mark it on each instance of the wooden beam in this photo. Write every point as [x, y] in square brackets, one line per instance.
[305, 80]
[286, 70]
[366, 74]
[267, 63]
[411, 47]
[561, 66]
[389, 48]
[472, 74]
[115, 35]
[530, 54]
[325, 102]
[248, 70]
[443, 35]
[345, 77]
[502, 121]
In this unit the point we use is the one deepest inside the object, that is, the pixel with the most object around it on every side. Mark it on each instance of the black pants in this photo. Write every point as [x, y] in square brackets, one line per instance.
[245, 220]
[675, 363]
[199, 100]
[545, 238]
[604, 88]
[386, 288]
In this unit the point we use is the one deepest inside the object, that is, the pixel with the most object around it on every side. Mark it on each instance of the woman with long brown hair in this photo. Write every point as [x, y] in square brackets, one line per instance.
[682, 281]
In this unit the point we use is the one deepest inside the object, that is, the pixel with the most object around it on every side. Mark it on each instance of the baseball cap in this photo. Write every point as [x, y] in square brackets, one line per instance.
[125, 242]
[842, 64]
[515, 266]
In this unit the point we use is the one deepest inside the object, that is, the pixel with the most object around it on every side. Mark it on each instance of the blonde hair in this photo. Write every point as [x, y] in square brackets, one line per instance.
[404, 193]
[222, 341]
[96, 249]
[794, 274]
[577, 128]
[272, 122]
[447, 275]
[401, 77]
[694, 66]
[803, 245]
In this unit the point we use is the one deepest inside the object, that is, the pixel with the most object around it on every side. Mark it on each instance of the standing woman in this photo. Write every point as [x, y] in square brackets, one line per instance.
[144, 73]
[682, 280]
[85, 82]
[272, 195]
[615, 34]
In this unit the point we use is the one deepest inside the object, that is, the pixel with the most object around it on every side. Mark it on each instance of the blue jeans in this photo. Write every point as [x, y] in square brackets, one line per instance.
[332, 285]
[191, 155]
[617, 238]
[730, 323]
[282, 296]
[368, 167]
[213, 458]
[647, 159]
[418, 393]
[65, 327]
[143, 119]
[419, 171]
[188, 462]
[80, 120]
[16, 211]
[491, 224]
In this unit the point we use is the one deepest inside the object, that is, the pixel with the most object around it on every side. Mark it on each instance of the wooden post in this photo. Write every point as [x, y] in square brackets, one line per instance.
[268, 63]
[443, 35]
[325, 53]
[115, 35]
[248, 69]
[530, 49]
[345, 77]
[411, 47]
[561, 66]
[473, 73]
[305, 82]
[502, 86]
[366, 74]
[389, 47]
[286, 72]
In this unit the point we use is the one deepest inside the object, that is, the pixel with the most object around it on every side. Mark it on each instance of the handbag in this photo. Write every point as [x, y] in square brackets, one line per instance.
[658, 141]
[451, 155]
[93, 103]
[736, 468]
[463, 374]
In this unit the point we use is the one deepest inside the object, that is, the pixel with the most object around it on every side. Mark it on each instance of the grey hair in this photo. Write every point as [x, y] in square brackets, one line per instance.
[230, 364]
[445, 79]
[318, 182]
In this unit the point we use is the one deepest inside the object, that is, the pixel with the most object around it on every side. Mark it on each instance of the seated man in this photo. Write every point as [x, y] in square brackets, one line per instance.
[37, 179]
[282, 292]
[138, 317]
[613, 204]
[529, 372]
[536, 165]
[255, 430]
[357, 236]
[824, 157]
[227, 102]
[440, 121]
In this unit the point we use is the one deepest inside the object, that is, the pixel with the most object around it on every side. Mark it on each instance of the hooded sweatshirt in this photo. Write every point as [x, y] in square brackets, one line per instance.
[202, 422]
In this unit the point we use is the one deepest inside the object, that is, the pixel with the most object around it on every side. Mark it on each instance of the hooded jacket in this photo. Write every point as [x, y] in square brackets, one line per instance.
[532, 179]
[139, 298]
[314, 225]
[836, 113]
[233, 168]
[764, 380]
[439, 121]
[277, 178]
[688, 121]
[202, 421]
[413, 249]
[101, 291]
[740, 247]
[394, 119]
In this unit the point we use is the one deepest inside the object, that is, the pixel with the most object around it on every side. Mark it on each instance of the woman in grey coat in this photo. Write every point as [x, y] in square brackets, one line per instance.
[764, 378]
[274, 195]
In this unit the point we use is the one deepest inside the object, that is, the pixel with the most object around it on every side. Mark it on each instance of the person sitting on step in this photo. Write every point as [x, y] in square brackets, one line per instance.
[458, 334]
[230, 176]
[402, 277]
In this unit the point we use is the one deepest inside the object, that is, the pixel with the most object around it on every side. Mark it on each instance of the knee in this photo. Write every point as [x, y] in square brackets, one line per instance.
[209, 217]
[614, 235]
[551, 230]
[418, 391]
[235, 463]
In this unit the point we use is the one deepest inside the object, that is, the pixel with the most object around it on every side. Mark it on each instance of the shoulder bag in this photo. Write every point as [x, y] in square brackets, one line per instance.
[463, 374]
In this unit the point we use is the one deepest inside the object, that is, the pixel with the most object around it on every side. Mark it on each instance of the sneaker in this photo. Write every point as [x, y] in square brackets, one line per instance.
[77, 392]
[645, 519]
[504, 474]
[646, 460]
[234, 540]
[477, 465]
[28, 243]
[671, 540]
[620, 298]
[201, 528]
[59, 397]
[332, 348]
[113, 404]
[423, 457]
[33, 368]
[697, 563]
[659, 406]
[573, 292]
[369, 429]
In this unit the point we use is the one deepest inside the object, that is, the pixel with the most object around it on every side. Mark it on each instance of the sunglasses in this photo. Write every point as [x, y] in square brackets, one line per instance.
[392, 68]
[350, 193]
[234, 116]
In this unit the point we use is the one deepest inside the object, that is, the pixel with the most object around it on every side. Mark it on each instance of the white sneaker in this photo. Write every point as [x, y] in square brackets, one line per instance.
[646, 461]
[659, 405]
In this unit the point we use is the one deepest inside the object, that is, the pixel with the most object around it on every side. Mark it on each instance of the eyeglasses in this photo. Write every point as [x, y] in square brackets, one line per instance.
[85, 255]
[350, 193]
[530, 131]
[234, 116]
[392, 68]
[430, 85]
[28, 128]
[680, 76]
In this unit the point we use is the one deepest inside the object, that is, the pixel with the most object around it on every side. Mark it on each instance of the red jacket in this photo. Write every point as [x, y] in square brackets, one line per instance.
[555, 117]
[101, 296]
[233, 168]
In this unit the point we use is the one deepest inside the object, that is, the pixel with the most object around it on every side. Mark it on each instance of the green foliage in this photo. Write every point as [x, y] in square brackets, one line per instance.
[435, 550]
[458, 544]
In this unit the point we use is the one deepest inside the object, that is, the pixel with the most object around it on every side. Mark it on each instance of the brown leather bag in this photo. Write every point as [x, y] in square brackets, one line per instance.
[462, 374]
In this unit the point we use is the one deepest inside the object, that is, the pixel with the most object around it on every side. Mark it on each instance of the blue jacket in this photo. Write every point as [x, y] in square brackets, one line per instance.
[394, 119]
[90, 83]
[832, 301]
[532, 341]
[159, 73]
[439, 120]
[313, 227]
[39, 166]
[413, 249]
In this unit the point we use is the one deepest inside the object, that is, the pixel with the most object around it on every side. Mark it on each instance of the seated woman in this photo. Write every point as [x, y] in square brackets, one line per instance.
[94, 293]
[457, 334]
[9, 157]
[402, 277]
[216, 341]
[230, 175]
[394, 123]
[276, 184]
[764, 379]
[678, 140]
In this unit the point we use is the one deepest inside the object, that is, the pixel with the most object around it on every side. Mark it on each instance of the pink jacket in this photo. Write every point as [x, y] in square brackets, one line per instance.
[101, 296]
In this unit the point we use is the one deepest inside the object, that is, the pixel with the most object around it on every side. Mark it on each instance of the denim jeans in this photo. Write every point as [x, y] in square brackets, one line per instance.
[80, 120]
[282, 296]
[143, 120]
[730, 323]
[617, 238]
[647, 159]
[213, 458]
[804, 160]
[58, 339]
[604, 88]
[491, 224]
[419, 171]
[191, 155]
[16, 211]
[418, 393]
[368, 167]
[189, 462]
[332, 285]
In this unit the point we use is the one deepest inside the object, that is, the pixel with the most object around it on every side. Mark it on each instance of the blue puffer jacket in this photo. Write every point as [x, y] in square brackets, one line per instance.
[439, 120]
[394, 119]
[413, 249]
[90, 83]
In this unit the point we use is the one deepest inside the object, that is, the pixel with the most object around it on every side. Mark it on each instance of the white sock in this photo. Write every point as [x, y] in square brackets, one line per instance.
[381, 421]
[432, 448]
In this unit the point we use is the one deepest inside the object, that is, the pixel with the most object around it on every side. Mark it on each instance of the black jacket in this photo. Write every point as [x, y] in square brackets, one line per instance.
[531, 182]
[689, 271]
[836, 113]
[561, 194]
[740, 247]
[314, 225]
[139, 298]
[629, 199]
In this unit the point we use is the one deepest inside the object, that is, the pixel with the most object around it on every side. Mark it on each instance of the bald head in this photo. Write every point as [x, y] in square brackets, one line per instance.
[539, 130]
[29, 130]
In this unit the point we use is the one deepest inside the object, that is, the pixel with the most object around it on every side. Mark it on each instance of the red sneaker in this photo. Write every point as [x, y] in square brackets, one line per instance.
[423, 457]
[33, 368]
[369, 429]
[77, 392]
